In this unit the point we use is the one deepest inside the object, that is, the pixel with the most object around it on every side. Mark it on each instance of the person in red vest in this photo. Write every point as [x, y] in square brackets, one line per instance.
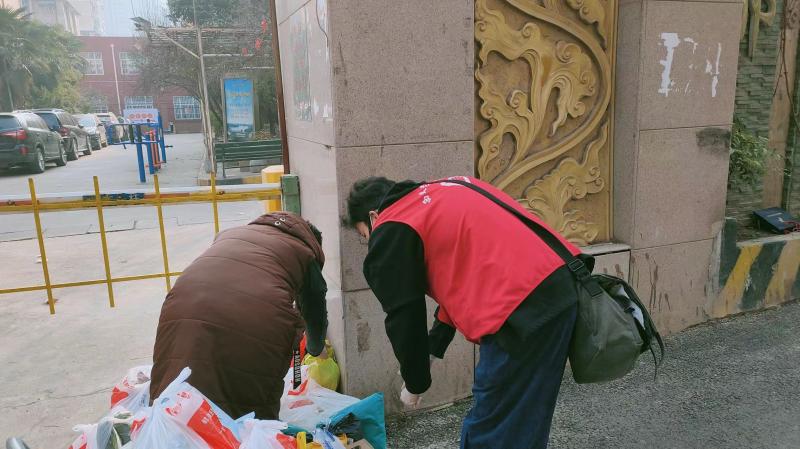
[494, 281]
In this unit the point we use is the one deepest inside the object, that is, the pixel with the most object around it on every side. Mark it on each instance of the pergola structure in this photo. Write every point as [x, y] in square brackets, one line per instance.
[247, 41]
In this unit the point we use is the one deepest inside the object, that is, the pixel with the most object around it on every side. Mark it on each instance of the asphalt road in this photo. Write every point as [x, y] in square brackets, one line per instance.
[115, 168]
[729, 384]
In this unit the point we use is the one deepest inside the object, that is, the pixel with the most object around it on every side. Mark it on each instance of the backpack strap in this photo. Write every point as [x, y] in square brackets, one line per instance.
[575, 264]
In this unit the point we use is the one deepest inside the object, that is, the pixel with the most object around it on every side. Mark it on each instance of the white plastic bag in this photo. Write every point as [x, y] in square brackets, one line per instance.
[258, 434]
[312, 404]
[88, 437]
[132, 393]
[327, 440]
[288, 379]
[103, 434]
[181, 418]
[154, 429]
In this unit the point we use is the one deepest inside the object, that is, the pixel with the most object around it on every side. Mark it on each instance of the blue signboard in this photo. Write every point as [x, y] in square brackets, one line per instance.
[239, 108]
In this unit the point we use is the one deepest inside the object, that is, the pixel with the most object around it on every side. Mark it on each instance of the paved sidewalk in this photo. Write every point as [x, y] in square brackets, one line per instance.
[57, 371]
[115, 166]
[116, 169]
[729, 384]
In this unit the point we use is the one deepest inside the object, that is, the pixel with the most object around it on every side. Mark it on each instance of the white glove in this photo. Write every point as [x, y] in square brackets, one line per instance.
[409, 399]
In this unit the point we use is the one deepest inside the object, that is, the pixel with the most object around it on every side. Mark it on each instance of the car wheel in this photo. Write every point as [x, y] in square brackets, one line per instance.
[62, 156]
[38, 165]
[88, 148]
[73, 150]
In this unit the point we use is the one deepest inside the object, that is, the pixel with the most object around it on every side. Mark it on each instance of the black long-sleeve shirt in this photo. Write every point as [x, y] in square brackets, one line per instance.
[395, 270]
[314, 309]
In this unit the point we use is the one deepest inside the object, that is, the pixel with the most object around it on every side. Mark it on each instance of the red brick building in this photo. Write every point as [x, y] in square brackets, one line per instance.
[111, 81]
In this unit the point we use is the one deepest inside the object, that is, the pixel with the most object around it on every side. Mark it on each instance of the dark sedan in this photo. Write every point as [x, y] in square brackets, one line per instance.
[76, 140]
[26, 140]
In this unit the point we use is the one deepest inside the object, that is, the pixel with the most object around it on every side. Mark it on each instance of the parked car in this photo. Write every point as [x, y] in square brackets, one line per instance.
[96, 129]
[76, 139]
[26, 140]
[115, 133]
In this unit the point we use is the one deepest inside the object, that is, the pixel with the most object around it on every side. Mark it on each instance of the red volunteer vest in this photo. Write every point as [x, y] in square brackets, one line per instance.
[481, 260]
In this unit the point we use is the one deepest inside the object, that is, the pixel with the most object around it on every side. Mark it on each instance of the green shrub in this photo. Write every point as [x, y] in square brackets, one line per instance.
[749, 158]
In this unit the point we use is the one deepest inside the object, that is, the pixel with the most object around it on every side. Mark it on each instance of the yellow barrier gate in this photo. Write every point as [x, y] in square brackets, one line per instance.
[286, 192]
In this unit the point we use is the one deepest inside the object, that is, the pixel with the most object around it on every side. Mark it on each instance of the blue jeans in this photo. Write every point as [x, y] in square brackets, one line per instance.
[515, 395]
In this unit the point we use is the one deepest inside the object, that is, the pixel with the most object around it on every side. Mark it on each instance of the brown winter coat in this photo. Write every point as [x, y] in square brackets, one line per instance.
[230, 316]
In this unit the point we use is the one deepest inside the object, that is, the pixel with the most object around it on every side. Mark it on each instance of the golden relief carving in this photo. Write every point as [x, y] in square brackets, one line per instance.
[544, 84]
[571, 180]
[592, 11]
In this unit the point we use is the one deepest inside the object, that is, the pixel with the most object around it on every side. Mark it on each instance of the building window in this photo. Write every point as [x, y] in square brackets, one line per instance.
[186, 108]
[129, 63]
[99, 107]
[139, 102]
[94, 63]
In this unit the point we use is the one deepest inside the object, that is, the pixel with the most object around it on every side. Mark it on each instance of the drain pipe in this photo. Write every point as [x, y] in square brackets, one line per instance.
[791, 150]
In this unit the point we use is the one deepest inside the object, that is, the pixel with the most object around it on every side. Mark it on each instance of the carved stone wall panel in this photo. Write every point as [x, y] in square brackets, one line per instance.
[544, 85]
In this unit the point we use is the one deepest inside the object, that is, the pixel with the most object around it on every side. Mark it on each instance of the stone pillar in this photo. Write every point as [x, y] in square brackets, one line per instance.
[375, 88]
[675, 76]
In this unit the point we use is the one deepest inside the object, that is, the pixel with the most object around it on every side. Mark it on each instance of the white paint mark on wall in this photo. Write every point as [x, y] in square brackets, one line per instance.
[676, 79]
[670, 41]
[693, 42]
[715, 78]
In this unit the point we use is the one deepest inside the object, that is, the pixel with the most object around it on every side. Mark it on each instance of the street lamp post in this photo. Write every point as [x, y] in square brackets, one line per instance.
[211, 166]
[116, 81]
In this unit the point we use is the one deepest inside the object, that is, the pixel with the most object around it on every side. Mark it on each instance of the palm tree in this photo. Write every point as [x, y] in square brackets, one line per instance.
[35, 59]
[11, 43]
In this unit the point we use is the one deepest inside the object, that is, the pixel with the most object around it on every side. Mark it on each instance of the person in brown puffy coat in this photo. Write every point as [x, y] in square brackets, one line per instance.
[238, 311]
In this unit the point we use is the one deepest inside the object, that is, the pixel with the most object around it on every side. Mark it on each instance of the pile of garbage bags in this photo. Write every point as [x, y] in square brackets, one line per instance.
[311, 417]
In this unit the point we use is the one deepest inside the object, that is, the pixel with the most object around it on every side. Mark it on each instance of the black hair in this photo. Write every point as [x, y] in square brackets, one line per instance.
[366, 195]
[317, 233]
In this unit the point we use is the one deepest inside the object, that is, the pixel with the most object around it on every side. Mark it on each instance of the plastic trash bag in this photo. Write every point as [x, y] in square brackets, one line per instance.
[327, 440]
[312, 404]
[109, 433]
[288, 380]
[370, 414]
[181, 418]
[132, 393]
[325, 372]
[88, 437]
[258, 434]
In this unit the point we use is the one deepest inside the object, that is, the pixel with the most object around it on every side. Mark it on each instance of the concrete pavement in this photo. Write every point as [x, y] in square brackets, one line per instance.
[116, 169]
[57, 371]
[728, 384]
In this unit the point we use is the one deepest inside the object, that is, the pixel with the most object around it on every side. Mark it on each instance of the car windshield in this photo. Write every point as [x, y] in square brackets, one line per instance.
[50, 118]
[87, 121]
[8, 122]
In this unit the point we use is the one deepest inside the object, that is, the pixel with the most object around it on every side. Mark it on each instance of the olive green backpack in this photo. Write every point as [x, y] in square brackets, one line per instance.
[612, 328]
